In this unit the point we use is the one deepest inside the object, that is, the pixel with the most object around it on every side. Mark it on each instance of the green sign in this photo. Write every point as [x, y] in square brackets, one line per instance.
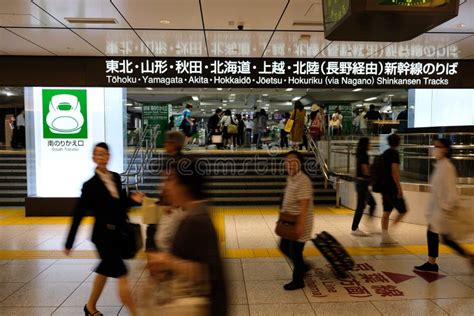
[64, 113]
[157, 115]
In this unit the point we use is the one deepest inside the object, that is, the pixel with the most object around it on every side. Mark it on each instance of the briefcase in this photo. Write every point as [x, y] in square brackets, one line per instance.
[216, 139]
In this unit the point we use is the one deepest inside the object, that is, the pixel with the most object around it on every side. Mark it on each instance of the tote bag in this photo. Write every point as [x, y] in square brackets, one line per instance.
[289, 124]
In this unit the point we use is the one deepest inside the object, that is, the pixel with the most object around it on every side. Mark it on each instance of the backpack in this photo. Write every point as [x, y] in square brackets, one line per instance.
[179, 121]
[377, 174]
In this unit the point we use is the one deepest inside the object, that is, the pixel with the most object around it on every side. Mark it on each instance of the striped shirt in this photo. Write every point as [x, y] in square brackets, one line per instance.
[299, 187]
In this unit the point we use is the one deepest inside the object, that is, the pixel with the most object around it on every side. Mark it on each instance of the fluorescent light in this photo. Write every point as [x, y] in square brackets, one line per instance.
[289, 89]
[129, 104]
[357, 90]
[225, 101]
[219, 89]
[371, 99]
[165, 21]
[307, 108]
[78, 20]
[295, 98]
[232, 94]
[359, 105]
[8, 94]
[390, 95]
[231, 100]
[265, 95]
[148, 88]
[195, 98]
[259, 100]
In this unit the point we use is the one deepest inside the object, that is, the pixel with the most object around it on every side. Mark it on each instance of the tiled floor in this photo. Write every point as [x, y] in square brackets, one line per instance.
[36, 278]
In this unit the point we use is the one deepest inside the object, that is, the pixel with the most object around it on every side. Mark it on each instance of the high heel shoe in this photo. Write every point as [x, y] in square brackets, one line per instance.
[87, 313]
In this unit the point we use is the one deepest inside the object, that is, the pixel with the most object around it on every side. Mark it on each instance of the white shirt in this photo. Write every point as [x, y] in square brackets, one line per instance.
[444, 195]
[109, 183]
[20, 120]
[225, 120]
[282, 124]
[249, 124]
[299, 187]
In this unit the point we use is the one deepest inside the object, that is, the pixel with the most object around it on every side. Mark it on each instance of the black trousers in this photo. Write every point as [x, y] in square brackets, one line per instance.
[364, 197]
[433, 244]
[294, 251]
[150, 237]
[284, 139]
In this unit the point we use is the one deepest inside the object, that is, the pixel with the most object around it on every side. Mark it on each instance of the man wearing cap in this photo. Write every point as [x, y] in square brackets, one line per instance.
[174, 142]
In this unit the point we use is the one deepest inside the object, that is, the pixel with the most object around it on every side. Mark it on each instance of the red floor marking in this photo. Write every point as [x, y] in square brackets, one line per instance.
[429, 276]
[397, 277]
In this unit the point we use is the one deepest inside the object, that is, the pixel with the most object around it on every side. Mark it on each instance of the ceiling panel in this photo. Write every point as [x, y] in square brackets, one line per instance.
[464, 22]
[464, 48]
[62, 9]
[255, 15]
[23, 13]
[237, 44]
[59, 41]
[424, 46]
[175, 43]
[296, 44]
[12, 44]
[115, 42]
[303, 15]
[182, 14]
[351, 49]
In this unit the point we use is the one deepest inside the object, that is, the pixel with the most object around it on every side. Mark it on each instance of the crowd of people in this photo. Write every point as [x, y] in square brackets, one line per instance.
[186, 274]
[226, 130]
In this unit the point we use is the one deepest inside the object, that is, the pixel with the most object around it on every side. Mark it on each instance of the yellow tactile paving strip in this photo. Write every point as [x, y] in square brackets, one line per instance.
[15, 216]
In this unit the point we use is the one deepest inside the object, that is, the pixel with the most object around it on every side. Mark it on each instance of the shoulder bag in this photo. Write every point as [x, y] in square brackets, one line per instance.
[289, 124]
[286, 226]
[132, 240]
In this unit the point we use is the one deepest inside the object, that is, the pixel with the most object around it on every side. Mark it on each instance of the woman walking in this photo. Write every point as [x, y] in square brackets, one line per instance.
[297, 200]
[224, 123]
[297, 131]
[444, 199]
[364, 196]
[103, 195]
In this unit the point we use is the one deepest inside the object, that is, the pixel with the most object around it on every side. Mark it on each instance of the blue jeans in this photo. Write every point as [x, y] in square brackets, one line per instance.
[259, 139]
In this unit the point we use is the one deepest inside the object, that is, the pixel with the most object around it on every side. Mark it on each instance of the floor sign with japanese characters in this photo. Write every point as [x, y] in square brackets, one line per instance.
[376, 281]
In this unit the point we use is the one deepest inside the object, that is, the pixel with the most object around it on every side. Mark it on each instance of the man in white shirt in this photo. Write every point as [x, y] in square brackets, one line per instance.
[20, 125]
[249, 126]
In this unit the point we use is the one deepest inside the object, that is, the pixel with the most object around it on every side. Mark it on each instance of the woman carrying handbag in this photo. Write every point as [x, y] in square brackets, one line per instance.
[104, 197]
[295, 222]
[443, 206]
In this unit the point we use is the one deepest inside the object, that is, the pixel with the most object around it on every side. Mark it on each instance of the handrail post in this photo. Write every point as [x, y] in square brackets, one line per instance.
[338, 194]
[348, 158]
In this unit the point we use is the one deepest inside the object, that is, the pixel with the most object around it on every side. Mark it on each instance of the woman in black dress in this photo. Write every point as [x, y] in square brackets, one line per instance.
[104, 197]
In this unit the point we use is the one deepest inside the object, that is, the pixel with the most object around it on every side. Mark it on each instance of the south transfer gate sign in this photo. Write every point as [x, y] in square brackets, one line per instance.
[236, 72]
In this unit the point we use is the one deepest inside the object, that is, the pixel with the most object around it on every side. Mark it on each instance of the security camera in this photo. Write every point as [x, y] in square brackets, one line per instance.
[240, 26]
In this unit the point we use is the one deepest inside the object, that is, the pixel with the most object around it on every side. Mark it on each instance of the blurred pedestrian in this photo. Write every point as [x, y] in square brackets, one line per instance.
[104, 197]
[364, 196]
[174, 142]
[392, 193]
[297, 200]
[213, 124]
[187, 124]
[316, 125]
[20, 125]
[298, 115]
[240, 130]
[443, 205]
[194, 261]
[261, 127]
[283, 134]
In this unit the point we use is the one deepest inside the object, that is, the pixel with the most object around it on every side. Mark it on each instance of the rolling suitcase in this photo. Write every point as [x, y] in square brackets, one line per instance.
[334, 253]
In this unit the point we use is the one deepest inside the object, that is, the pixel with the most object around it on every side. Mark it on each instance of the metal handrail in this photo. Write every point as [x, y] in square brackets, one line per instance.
[329, 176]
[145, 154]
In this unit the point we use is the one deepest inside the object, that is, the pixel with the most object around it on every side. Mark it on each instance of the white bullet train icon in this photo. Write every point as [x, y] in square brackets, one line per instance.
[64, 115]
